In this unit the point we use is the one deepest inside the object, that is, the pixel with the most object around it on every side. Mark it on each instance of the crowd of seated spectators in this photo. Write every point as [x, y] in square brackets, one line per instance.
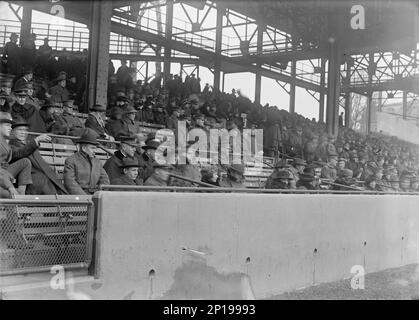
[306, 157]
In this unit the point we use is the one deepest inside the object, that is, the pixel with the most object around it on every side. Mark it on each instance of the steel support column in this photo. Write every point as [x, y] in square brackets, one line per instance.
[168, 35]
[25, 26]
[323, 86]
[292, 83]
[100, 29]
[218, 47]
[258, 74]
[404, 105]
[333, 89]
[348, 93]
[371, 72]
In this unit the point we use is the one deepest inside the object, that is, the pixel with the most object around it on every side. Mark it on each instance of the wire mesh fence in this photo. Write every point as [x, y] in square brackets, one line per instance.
[35, 235]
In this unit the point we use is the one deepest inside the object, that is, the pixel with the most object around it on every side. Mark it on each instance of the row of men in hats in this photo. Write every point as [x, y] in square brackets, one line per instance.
[336, 175]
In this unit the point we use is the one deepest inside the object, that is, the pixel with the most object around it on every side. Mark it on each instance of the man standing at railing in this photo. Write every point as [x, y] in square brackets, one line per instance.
[83, 173]
[12, 54]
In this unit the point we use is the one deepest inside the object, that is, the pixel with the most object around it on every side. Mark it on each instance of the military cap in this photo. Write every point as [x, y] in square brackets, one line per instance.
[20, 92]
[332, 154]
[342, 159]
[130, 109]
[130, 140]
[61, 77]
[122, 98]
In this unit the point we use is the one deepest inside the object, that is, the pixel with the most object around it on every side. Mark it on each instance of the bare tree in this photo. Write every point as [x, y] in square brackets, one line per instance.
[358, 112]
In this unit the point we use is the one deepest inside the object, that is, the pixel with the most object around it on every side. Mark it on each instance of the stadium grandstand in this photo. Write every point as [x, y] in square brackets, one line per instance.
[94, 94]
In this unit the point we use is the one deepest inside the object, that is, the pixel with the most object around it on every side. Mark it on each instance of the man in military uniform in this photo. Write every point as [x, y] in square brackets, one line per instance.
[4, 104]
[73, 124]
[147, 159]
[129, 173]
[235, 177]
[329, 171]
[126, 150]
[307, 180]
[297, 168]
[25, 79]
[83, 173]
[126, 125]
[27, 112]
[30, 99]
[281, 180]
[12, 54]
[59, 93]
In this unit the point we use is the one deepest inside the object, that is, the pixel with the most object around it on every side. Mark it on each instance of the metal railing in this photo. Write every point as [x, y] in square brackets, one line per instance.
[249, 190]
[72, 37]
[38, 234]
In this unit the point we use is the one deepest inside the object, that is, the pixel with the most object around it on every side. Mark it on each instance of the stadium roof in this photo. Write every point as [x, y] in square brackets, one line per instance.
[389, 24]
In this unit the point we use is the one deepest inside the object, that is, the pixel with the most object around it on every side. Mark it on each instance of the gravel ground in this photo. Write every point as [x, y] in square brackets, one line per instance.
[392, 284]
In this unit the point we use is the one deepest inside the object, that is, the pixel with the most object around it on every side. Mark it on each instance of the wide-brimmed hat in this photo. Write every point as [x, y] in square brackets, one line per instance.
[307, 176]
[5, 117]
[88, 137]
[130, 140]
[284, 174]
[129, 163]
[19, 122]
[151, 144]
[98, 107]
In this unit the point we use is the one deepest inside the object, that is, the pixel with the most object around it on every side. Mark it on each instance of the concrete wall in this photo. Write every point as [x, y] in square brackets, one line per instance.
[157, 245]
[395, 126]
